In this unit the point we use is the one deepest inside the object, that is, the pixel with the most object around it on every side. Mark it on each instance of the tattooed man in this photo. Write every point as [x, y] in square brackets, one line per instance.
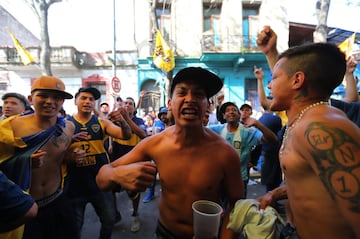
[33, 148]
[320, 153]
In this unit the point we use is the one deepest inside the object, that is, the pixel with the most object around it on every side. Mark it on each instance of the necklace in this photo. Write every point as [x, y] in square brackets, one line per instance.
[297, 119]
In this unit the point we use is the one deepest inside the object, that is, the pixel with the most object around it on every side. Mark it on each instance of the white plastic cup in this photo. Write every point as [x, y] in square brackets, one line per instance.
[207, 216]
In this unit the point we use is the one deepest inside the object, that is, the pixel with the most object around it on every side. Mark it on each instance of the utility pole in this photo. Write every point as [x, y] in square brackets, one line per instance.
[114, 46]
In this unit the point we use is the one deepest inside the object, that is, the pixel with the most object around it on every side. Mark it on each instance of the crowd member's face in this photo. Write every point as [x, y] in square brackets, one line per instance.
[280, 87]
[46, 102]
[163, 118]
[231, 114]
[245, 113]
[149, 120]
[12, 106]
[206, 118]
[129, 106]
[188, 103]
[105, 108]
[119, 104]
[211, 106]
[85, 102]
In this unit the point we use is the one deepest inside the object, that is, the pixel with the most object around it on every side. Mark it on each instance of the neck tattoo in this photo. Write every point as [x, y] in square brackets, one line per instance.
[297, 119]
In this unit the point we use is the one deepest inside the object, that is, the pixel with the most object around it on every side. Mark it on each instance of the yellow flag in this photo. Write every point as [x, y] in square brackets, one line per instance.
[24, 54]
[163, 57]
[346, 46]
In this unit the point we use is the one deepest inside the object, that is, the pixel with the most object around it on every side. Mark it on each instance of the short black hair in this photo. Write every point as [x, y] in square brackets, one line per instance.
[18, 96]
[323, 63]
[225, 105]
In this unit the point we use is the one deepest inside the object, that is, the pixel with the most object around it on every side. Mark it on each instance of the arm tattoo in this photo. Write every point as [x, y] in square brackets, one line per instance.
[125, 127]
[334, 154]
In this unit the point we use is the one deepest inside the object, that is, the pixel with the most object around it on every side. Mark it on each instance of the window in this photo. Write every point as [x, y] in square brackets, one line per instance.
[152, 97]
[163, 18]
[250, 25]
[251, 94]
[212, 34]
[3, 86]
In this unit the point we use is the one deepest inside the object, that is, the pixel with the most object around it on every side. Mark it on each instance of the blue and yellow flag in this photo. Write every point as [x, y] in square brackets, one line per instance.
[26, 57]
[163, 57]
[347, 45]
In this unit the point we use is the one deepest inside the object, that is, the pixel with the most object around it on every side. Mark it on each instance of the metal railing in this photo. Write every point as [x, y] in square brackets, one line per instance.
[70, 56]
[228, 43]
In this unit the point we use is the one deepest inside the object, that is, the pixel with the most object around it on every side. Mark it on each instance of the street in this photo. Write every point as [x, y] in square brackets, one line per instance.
[147, 212]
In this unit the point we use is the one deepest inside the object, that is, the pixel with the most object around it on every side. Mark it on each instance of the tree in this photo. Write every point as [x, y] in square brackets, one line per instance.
[322, 10]
[40, 8]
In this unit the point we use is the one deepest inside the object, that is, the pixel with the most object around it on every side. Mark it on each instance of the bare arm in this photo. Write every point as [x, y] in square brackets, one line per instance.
[134, 177]
[120, 130]
[234, 188]
[259, 74]
[141, 96]
[268, 135]
[121, 113]
[128, 171]
[337, 142]
[271, 197]
[266, 41]
[351, 93]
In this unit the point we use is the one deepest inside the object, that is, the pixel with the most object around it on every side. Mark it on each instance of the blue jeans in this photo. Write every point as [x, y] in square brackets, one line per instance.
[103, 204]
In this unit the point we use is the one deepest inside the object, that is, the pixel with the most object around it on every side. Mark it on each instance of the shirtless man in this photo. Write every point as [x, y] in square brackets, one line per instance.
[320, 154]
[193, 162]
[44, 138]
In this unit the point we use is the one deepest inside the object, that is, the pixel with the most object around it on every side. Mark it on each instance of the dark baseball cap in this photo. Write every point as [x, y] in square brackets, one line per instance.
[211, 83]
[95, 92]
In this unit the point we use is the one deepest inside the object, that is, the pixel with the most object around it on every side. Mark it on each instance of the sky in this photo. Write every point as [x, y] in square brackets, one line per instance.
[81, 23]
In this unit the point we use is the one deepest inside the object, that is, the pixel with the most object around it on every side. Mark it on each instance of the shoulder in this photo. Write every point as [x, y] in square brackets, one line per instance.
[69, 124]
[138, 120]
[326, 127]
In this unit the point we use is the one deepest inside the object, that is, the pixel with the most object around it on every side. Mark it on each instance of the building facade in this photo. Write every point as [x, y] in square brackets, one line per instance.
[219, 35]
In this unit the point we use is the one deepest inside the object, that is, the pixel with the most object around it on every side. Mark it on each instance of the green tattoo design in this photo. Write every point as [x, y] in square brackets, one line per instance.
[334, 154]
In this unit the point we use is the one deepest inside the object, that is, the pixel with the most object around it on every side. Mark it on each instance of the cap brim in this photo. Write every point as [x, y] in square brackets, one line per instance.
[67, 95]
[211, 83]
[63, 94]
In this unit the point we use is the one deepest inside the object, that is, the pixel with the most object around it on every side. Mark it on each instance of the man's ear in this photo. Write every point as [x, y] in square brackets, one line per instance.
[169, 104]
[30, 99]
[298, 79]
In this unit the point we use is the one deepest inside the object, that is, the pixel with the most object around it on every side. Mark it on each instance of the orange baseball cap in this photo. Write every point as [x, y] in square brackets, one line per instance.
[50, 83]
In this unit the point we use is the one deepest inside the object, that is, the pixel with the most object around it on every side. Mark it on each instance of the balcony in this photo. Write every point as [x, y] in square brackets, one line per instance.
[211, 43]
[65, 59]
[230, 50]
